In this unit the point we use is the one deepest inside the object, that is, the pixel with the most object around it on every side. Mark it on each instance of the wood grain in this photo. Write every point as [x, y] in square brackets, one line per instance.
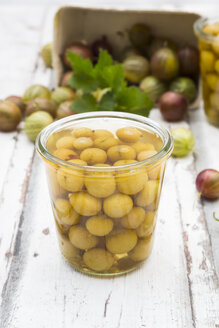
[177, 287]
[19, 151]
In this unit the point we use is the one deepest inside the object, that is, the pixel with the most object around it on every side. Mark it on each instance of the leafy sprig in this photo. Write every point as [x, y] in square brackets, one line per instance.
[104, 87]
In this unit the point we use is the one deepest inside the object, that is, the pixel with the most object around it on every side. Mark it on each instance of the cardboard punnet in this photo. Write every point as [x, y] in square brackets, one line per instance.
[73, 24]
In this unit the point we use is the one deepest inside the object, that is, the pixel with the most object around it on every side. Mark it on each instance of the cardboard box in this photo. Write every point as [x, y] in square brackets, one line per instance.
[75, 24]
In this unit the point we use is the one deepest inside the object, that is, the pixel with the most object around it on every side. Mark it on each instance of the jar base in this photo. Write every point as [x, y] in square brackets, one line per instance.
[114, 271]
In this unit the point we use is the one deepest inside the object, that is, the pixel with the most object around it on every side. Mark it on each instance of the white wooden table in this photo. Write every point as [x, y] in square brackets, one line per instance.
[177, 287]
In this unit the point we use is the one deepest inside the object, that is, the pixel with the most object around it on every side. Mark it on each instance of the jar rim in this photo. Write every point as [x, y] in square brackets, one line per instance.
[200, 23]
[165, 135]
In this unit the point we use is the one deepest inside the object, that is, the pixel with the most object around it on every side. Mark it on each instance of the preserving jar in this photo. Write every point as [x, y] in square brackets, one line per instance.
[105, 172]
[207, 32]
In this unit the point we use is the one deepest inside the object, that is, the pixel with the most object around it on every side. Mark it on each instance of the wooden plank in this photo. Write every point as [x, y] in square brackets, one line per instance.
[151, 296]
[202, 276]
[17, 163]
[18, 56]
[207, 141]
[177, 287]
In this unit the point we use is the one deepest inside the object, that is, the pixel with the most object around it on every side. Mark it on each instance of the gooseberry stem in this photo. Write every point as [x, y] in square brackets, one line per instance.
[195, 152]
[214, 216]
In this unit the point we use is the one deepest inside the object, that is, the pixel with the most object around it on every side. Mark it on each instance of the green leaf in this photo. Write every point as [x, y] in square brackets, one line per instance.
[84, 82]
[133, 100]
[113, 77]
[87, 103]
[80, 65]
[83, 73]
[107, 102]
[105, 75]
[104, 60]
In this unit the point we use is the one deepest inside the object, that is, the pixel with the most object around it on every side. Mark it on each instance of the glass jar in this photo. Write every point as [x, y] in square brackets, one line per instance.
[105, 214]
[207, 31]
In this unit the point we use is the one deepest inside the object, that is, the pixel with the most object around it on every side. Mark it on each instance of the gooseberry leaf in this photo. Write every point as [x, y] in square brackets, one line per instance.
[79, 64]
[133, 100]
[105, 75]
[113, 76]
[107, 102]
[86, 103]
[104, 60]
[81, 81]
